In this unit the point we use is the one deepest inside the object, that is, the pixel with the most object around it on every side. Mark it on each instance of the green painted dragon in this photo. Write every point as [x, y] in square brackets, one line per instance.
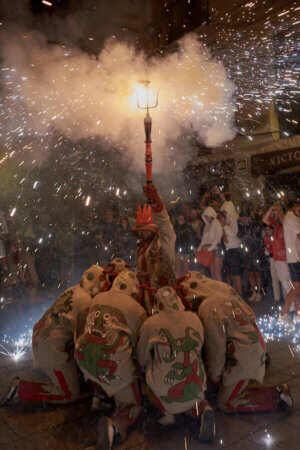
[187, 371]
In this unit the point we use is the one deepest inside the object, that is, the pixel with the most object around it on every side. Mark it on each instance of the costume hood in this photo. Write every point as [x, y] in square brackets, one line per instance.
[115, 267]
[94, 280]
[229, 208]
[209, 211]
[167, 300]
[193, 289]
[126, 283]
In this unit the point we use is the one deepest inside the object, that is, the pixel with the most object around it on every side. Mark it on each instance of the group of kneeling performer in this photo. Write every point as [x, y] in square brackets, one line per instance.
[148, 332]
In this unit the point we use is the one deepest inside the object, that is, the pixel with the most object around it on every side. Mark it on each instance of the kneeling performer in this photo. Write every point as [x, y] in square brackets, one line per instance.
[104, 353]
[53, 345]
[235, 351]
[169, 348]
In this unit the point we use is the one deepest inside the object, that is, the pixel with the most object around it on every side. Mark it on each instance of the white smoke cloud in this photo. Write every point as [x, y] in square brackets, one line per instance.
[55, 88]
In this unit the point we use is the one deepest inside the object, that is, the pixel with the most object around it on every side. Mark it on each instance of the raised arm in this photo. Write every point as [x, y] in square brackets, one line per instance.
[267, 216]
[162, 220]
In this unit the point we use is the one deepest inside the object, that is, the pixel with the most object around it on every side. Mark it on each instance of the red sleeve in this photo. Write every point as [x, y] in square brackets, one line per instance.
[272, 223]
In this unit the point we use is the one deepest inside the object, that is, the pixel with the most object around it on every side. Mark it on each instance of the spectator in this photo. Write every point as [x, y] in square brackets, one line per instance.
[274, 218]
[197, 225]
[211, 199]
[211, 241]
[205, 200]
[195, 221]
[291, 228]
[233, 256]
[184, 246]
[250, 234]
[268, 243]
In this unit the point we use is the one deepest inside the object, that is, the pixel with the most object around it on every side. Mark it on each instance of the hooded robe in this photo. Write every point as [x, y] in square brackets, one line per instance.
[104, 351]
[234, 347]
[53, 342]
[170, 349]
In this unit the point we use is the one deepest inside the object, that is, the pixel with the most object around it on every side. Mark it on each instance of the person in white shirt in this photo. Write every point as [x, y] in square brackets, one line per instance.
[291, 229]
[211, 241]
[233, 256]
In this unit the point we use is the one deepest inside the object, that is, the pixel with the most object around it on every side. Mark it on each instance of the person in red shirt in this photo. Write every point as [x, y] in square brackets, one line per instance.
[274, 218]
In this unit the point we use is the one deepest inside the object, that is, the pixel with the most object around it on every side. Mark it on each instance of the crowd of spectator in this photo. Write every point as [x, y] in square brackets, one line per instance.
[257, 250]
[43, 256]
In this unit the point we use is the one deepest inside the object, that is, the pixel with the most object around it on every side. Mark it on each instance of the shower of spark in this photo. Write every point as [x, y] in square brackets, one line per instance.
[57, 92]
[16, 349]
[56, 100]
[273, 330]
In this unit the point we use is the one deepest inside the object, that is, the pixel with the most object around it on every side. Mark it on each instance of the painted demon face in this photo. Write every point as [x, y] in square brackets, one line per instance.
[101, 318]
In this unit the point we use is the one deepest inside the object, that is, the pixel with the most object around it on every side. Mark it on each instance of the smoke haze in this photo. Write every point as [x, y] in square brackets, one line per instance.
[59, 88]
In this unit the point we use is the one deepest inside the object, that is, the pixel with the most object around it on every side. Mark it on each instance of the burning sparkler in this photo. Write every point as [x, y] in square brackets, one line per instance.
[16, 349]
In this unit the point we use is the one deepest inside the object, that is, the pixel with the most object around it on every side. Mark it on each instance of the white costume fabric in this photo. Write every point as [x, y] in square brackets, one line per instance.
[291, 228]
[170, 349]
[53, 342]
[234, 347]
[167, 234]
[213, 232]
[115, 267]
[104, 351]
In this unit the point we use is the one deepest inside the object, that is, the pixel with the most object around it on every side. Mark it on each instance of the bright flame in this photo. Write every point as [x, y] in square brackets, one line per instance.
[140, 96]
